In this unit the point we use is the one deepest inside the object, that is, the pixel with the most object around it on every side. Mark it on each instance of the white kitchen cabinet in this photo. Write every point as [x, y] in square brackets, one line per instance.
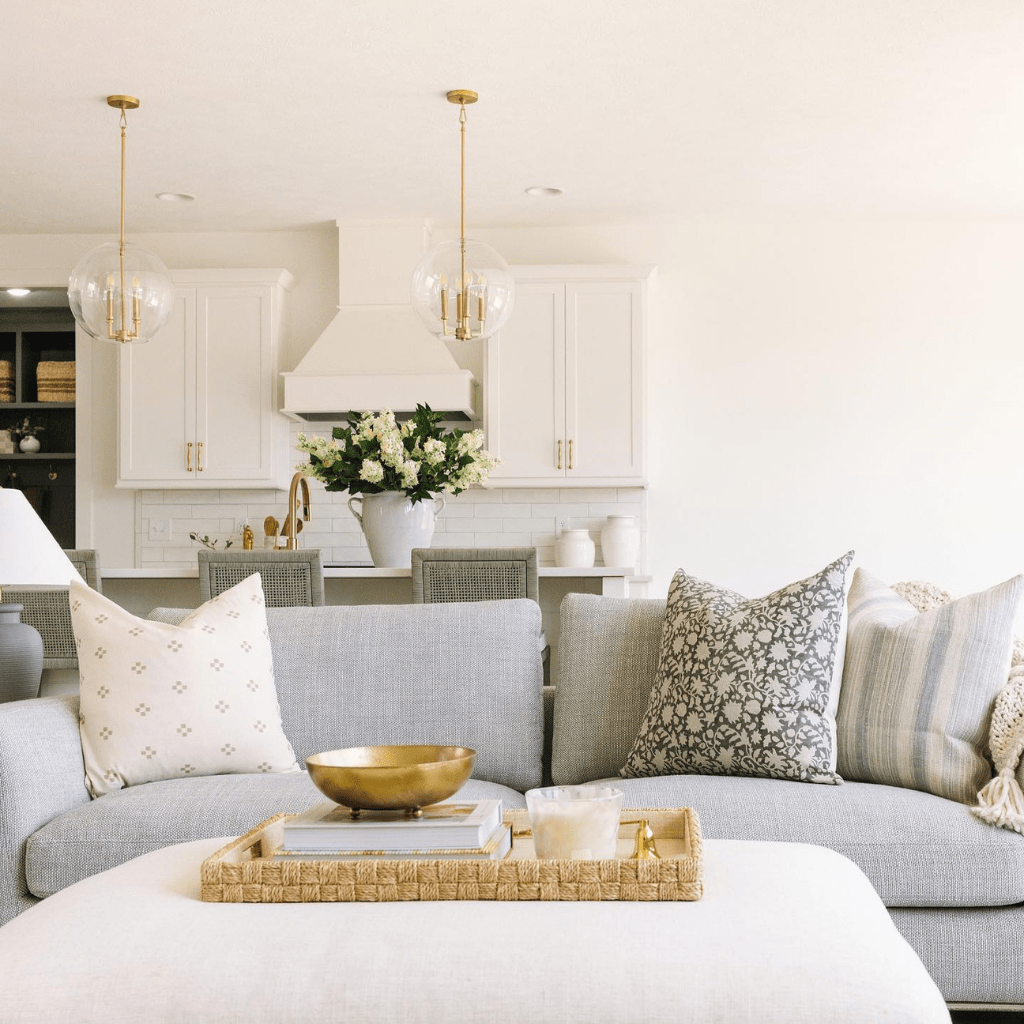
[564, 379]
[199, 403]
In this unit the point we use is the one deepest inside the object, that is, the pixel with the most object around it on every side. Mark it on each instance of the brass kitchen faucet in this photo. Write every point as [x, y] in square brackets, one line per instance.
[292, 526]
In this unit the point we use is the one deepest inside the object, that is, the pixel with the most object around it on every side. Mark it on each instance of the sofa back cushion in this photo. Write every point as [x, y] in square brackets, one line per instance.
[466, 674]
[608, 657]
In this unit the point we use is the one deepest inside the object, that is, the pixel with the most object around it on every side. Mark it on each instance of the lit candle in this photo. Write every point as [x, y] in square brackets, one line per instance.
[110, 299]
[570, 822]
[444, 297]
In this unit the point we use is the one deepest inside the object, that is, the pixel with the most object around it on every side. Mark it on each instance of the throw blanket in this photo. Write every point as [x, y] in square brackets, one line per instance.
[1001, 802]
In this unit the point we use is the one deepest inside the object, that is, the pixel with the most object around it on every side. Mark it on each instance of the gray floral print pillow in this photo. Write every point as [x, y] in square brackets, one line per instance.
[747, 687]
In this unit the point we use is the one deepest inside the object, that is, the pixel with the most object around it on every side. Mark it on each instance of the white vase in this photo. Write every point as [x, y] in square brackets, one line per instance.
[30, 443]
[393, 525]
[620, 541]
[574, 550]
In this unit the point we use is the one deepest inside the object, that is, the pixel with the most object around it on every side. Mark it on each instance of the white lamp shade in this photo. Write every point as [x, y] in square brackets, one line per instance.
[29, 554]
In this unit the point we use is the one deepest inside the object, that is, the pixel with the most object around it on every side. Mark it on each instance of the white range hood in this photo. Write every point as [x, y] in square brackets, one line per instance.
[377, 357]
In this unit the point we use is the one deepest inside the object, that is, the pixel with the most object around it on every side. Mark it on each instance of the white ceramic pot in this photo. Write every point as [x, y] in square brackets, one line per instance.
[30, 444]
[393, 525]
[620, 541]
[574, 550]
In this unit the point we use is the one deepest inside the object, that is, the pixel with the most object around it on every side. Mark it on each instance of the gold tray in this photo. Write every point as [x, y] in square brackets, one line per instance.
[243, 872]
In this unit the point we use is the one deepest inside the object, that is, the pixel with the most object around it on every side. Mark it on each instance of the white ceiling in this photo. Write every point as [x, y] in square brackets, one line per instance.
[293, 113]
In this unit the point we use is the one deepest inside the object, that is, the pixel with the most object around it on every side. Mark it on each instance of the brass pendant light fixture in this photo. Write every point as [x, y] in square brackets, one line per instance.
[120, 292]
[463, 289]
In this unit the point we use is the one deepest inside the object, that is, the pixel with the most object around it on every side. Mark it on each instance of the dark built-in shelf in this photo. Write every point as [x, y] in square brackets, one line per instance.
[28, 337]
[17, 456]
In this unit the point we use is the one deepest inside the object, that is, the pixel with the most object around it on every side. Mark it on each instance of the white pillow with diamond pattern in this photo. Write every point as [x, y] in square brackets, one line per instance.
[160, 701]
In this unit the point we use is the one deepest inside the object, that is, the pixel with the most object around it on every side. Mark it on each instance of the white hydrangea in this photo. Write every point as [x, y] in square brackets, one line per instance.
[372, 471]
[433, 451]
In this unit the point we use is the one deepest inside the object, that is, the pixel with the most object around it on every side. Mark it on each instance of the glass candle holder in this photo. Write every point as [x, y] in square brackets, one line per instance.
[574, 822]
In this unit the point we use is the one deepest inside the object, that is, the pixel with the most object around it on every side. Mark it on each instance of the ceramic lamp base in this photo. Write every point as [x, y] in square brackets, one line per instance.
[21, 656]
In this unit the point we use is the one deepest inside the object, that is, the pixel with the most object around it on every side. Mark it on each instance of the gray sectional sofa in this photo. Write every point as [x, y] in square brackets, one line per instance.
[472, 674]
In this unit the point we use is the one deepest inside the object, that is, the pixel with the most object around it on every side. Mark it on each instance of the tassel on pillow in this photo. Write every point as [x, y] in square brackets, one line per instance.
[1001, 802]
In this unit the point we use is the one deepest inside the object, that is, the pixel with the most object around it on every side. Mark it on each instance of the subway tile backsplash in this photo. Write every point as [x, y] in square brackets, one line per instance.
[499, 517]
[496, 517]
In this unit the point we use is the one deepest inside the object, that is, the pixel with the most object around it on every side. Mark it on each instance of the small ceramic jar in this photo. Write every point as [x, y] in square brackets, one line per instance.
[30, 444]
[574, 550]
[620, 541]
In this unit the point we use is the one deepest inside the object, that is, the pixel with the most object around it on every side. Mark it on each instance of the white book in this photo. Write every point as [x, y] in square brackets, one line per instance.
[496, 848]
[331, 827]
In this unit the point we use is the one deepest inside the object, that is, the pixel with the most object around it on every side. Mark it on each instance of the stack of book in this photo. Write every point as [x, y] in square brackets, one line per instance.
[328, 831]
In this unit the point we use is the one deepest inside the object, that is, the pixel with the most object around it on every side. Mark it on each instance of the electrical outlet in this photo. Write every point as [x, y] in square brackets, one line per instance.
[561, 524]
[159, 529]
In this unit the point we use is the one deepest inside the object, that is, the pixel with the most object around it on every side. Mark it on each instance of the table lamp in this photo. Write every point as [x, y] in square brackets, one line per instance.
[29, 556]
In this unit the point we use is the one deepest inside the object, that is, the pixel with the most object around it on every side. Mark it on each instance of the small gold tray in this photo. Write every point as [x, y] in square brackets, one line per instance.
[243, 872]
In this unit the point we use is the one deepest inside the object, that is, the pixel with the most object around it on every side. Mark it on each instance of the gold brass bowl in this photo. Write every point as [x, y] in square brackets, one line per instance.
[390, 777]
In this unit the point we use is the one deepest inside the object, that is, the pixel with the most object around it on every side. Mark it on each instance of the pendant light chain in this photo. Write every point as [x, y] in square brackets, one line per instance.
[463, 293]
[120, 240]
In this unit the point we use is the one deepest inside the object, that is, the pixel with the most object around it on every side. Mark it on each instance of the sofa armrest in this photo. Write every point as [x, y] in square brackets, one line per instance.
[41, 776]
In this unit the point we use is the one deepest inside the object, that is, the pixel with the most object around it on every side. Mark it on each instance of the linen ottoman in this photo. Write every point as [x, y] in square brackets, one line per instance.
[785, 932]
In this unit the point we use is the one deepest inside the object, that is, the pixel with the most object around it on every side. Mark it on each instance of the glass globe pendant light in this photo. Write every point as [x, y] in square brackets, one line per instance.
[120, 292]
[463, 289]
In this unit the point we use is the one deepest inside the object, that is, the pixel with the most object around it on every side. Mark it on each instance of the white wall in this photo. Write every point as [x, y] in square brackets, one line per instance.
[819, 387]
[812, 387]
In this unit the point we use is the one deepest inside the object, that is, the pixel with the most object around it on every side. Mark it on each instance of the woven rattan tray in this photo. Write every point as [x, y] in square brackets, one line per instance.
[242, 871]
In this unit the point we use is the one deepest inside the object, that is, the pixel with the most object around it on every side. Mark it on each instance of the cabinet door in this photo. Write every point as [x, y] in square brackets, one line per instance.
[157, 407]
[526, 386]
[603, 373]
[234, 377]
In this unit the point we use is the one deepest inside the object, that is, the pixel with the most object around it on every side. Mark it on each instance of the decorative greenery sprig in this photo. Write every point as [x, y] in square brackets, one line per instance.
[26, 429]
[418, 457]
[207, 543]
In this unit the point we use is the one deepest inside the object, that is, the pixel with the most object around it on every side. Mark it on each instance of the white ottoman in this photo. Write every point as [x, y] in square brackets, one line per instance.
[785, 932]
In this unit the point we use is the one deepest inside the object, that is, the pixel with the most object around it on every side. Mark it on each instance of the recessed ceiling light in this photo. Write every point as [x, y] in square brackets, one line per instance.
[18, 293]
[543, 190]
[175, 197]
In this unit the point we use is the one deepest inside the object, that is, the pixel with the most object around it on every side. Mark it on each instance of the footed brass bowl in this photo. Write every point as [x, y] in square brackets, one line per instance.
[390, 778]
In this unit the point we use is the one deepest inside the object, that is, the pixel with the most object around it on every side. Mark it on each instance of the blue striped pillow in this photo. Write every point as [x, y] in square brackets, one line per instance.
[918, 687]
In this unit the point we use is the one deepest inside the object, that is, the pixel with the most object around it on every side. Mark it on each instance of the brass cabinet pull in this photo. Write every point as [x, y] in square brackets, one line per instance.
[199, 457]
[570, 455]
[188, 458]
[559, 466]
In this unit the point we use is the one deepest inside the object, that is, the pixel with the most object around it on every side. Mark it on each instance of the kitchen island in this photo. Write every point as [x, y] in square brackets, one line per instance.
[140, 590]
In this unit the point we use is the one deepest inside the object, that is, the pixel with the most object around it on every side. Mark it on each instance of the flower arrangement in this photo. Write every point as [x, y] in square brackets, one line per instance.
[418, 457]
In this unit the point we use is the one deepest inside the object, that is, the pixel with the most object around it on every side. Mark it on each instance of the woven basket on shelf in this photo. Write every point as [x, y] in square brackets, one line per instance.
[55, 381]
[6, 380]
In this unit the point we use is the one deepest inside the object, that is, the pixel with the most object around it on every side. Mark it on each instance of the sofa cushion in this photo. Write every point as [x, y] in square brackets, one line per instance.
[162, 701]
[464, 674]
[607, 662]
[919, 850]
[919, 687]
[747, 686]
[135, 820]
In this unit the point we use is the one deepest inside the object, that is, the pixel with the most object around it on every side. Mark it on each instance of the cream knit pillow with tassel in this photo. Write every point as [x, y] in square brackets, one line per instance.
[1001, 802]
